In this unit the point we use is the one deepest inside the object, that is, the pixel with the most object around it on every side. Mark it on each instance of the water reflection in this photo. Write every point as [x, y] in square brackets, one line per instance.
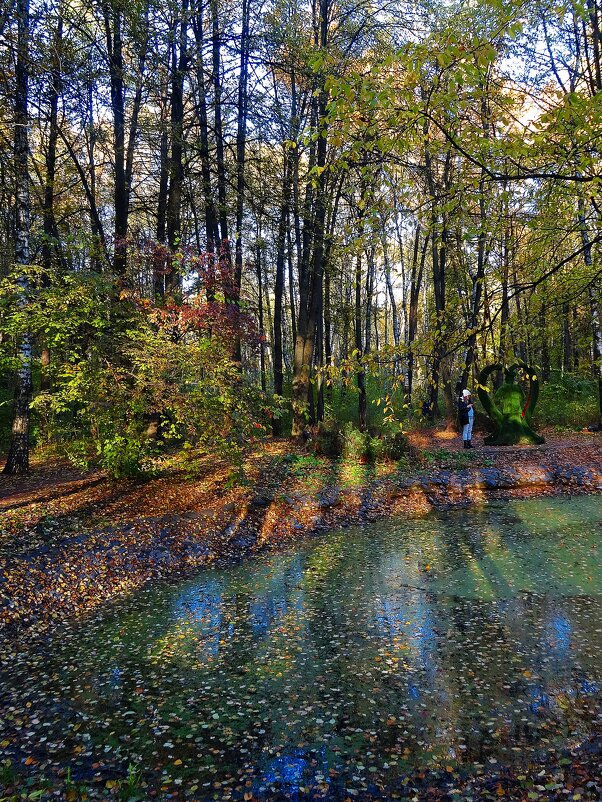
[337, 665]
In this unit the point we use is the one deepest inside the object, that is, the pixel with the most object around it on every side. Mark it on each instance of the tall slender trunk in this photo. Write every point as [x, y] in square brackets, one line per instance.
[99, 247]
[279, 286]
[326, 311]
[545, 351]
[311, 280]
[160, 263]
[468, 355]
[394, 312]
[319, 361]
[113, 33]
[241, 141]
[49, 225]
[505, 304]
[359, 346]
[415, 286]
[50, 242]
[211, 224]
[567, 342]
[216, 76]
[439, 235]
[18, 455]
[521, 345]
[179, 59]
[291, 284]
[594, 303]
[259, 272]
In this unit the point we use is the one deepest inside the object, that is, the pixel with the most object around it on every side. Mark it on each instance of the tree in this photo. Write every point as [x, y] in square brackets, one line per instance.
[18, 455]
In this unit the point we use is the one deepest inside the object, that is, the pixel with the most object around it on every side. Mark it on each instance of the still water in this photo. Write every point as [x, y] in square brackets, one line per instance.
[338, 665]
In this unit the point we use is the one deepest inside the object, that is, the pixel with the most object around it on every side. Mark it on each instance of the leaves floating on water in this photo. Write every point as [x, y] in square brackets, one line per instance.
[432, 659]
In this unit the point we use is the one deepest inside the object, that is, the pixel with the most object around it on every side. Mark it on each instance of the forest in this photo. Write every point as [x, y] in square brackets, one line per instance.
[222, 220]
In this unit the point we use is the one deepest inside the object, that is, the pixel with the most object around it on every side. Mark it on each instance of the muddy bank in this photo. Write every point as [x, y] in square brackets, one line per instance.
[59, 568]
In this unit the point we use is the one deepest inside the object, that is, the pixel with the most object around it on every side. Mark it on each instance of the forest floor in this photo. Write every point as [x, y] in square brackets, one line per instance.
[72, 540]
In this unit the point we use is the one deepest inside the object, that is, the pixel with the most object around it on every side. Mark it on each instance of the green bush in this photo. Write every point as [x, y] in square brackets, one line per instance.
[332, 440]
[125, 457]
[568, 401]
[358, 446]
[329, 439]
[394, 446]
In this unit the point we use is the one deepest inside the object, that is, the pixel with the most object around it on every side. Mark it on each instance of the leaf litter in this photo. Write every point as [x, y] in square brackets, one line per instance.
[453, 657]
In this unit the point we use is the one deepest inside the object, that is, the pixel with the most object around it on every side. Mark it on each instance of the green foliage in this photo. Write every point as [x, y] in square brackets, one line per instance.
[567, 401]
[368, 447]
[329, 438]
[117, 362]
[125, 457]
[448, 460]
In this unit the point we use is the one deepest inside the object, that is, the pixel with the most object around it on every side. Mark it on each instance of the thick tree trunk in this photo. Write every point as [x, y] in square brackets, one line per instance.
[311, 280]
[18, 455]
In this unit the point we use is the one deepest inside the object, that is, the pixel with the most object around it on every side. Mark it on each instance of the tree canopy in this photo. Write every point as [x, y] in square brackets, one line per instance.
[222, 219]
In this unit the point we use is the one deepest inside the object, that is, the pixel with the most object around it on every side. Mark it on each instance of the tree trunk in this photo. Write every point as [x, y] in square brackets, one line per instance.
[505, 306]
[49, 224]
[241, 140]
[211, 225]
[113, 23]
[259, 272]
[594, 309]
[545, 351]
[222, 210]
[361, 375]
[567, 343]
[279, 287]
[160, 265]
[439, 256]
[394, 313]
[179, 61]
[18, 455]
[311, 280]
[415, 286]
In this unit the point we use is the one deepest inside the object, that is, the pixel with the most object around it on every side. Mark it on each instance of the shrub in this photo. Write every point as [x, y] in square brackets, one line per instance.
[394, 446]
[568, 401]
[329, 439]
[125, 457]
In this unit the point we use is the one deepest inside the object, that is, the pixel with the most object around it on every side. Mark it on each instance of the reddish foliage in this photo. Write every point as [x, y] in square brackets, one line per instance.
[210, 305]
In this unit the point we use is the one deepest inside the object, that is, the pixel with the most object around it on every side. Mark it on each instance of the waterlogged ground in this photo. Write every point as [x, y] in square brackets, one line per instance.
[457, 645]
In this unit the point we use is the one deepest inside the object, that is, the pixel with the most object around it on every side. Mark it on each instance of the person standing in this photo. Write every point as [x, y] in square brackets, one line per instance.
[466, 415]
